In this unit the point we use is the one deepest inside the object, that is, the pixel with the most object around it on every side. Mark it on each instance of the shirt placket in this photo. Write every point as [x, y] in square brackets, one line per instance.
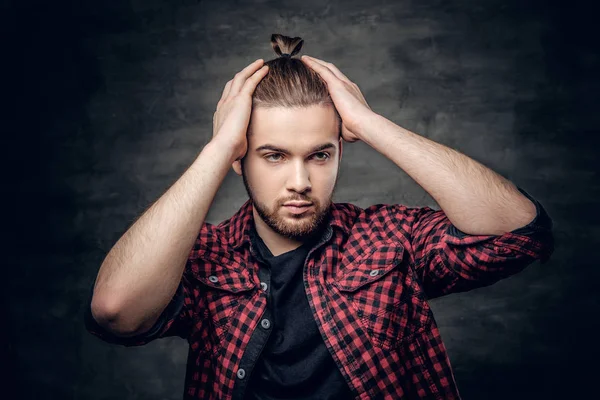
[259, 337]
[261, 334]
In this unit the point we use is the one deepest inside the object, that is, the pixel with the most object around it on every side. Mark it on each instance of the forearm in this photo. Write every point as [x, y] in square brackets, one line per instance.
[140, 274]
[477, 200]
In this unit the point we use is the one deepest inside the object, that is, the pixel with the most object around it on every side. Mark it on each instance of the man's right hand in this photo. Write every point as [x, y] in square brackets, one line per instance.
[230, 121]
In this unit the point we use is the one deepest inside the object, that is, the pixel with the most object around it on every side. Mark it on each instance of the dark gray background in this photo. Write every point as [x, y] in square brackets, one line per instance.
[110, 102]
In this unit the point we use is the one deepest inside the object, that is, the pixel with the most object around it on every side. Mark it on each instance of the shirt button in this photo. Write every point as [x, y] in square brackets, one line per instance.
[241, 373]
[265, 323]
[263, 286]
[374, 272]
[213, 279]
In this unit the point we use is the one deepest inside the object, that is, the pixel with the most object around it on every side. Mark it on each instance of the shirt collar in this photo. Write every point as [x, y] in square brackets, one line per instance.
[239, 226]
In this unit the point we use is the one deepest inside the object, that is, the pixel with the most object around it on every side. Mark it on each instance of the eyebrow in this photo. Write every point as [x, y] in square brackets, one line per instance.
[282, 150]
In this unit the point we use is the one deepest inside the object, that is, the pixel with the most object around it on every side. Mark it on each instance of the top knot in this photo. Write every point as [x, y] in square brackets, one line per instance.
[286, 46]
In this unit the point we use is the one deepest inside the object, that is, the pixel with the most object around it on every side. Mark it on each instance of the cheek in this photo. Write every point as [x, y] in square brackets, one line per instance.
[265, 187]
[325, 183]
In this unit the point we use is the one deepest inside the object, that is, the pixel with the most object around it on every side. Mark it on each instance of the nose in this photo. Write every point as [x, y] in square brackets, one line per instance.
[299, 180]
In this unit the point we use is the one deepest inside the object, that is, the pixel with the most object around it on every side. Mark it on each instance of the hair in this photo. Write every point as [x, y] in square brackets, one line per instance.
[289, 82]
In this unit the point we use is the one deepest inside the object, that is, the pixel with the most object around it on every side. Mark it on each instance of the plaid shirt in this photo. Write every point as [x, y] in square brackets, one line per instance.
[368, 283]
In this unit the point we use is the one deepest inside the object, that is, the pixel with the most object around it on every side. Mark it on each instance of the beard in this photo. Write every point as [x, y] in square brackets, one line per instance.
[297, 227]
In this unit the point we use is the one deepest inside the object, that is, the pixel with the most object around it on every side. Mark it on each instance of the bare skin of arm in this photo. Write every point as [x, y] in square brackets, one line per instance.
[141, 273]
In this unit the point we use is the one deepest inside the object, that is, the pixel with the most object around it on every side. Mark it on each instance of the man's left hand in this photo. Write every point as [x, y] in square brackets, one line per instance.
[347, 97]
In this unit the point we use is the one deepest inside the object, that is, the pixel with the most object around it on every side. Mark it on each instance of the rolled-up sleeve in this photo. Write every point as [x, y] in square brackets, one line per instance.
[448, 260]
[175, 320]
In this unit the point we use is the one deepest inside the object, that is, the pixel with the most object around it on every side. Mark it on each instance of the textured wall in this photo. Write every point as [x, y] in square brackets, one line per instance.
[111, 101]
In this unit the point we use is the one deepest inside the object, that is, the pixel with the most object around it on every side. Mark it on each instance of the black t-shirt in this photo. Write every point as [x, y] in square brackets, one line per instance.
[294, 364]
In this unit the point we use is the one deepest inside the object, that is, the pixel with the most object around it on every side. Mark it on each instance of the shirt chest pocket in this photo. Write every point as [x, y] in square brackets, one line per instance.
[385, 294]
[223, 286]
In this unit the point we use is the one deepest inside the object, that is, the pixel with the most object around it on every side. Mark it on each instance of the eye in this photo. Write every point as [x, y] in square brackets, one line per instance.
[322, 153]
[268, 157]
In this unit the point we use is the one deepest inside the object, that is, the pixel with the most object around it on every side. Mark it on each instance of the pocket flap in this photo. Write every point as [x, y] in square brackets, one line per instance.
[374, 264]
[229, 275]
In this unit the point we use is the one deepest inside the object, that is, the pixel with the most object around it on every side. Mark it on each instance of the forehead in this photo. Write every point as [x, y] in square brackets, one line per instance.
[293, 127]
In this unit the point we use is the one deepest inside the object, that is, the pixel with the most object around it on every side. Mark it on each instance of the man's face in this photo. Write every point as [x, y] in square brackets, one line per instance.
[293, 155]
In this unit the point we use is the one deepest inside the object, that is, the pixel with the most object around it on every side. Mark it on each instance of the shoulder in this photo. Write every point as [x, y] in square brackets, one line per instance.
[211, 236]
[392, 212]
[386, 221]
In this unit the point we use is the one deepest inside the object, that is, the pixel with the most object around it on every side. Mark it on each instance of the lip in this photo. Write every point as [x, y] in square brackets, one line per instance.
[298, 210]
[298, 203]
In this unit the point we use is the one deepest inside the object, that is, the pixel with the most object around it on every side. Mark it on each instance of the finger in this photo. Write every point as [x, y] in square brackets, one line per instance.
[251, 82]
[225, 91]
[228, 85]
[331, 67]
[321, 69]
[240, 77]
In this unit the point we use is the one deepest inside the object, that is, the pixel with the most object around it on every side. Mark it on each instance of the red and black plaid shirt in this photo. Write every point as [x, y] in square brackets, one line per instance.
[368, 286]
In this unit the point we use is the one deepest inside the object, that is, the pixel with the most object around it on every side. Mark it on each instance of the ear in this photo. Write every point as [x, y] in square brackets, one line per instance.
[237, 167]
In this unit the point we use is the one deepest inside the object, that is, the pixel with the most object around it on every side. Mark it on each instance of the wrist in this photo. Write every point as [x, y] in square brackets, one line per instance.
[225, 147]
[367, 123]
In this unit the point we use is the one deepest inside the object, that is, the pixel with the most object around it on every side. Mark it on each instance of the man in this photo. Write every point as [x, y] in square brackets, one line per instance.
[296, 296]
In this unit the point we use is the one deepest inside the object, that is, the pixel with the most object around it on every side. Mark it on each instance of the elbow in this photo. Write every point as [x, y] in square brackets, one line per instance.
[108, 314]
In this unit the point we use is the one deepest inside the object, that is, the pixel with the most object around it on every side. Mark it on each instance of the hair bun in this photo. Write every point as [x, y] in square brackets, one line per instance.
[286, 46]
